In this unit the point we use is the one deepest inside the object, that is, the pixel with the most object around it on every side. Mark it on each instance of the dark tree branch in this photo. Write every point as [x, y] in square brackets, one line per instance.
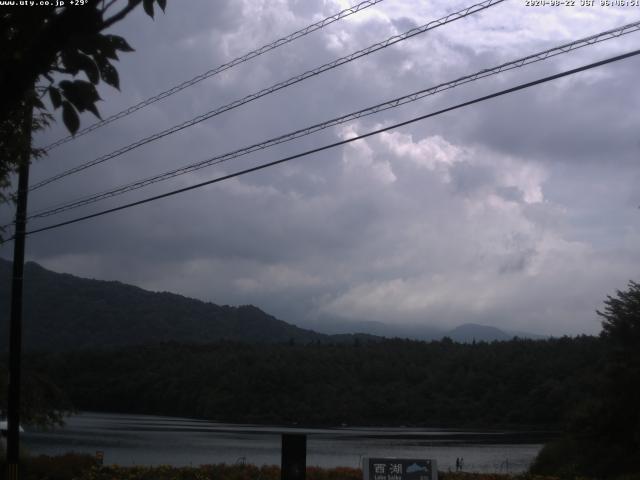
[108, 5]
[120, 15]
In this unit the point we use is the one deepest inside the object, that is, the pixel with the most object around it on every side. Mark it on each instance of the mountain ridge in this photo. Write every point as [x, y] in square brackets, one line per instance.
[66, 312]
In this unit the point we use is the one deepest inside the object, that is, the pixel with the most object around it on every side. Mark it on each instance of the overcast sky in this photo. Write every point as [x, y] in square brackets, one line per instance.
[520, 212]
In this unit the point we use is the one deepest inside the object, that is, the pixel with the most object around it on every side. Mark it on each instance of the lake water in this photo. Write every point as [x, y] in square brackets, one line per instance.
[152, 440]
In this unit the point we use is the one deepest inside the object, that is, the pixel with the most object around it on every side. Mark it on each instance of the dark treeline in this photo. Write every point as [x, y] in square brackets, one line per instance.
[395, 382]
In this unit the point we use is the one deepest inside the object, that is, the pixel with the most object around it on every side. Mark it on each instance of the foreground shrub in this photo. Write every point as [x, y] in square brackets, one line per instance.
[62, 467]
[572, 458]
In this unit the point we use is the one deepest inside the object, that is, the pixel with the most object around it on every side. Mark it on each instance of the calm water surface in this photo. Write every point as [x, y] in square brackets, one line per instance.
[151, 440]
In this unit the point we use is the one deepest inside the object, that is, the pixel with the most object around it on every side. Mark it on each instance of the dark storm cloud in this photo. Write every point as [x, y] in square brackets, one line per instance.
[520, 212]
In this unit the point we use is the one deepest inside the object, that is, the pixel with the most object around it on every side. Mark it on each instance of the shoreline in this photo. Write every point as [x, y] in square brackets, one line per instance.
[86, 467]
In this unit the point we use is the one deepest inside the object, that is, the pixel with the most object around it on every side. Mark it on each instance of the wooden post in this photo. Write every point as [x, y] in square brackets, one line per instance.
[294, 457]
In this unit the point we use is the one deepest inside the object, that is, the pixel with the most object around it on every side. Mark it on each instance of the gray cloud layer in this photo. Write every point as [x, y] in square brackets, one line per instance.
[520, 212]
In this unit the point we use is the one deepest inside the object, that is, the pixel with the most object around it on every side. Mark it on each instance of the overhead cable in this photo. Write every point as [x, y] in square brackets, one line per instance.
[339, 143]
[219, 69]
[396, 102]
[278, 86]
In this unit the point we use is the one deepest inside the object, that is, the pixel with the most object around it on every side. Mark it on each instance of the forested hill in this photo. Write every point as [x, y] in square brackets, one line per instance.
[538, 383]
[64, 312]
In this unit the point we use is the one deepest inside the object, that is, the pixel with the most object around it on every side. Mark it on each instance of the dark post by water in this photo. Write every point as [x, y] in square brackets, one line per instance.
[294, 457]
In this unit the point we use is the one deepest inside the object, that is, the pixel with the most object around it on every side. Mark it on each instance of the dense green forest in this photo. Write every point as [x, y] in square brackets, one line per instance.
[394, 382]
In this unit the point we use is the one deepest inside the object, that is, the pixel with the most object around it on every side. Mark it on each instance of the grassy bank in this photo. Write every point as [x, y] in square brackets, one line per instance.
[84, 467]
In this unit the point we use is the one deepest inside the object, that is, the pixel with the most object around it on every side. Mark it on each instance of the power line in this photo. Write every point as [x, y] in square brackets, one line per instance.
[278, 86]
[219, 69]
[536, 57]
[342, 142]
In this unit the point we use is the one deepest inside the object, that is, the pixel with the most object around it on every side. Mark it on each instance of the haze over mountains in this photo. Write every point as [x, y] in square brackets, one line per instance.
[65, 312]
[463, 333]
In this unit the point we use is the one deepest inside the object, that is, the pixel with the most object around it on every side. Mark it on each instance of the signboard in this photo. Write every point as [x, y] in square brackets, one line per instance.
[399, 469]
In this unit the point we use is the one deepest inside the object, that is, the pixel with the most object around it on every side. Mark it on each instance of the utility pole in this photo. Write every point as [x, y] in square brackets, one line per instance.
[15, 335]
